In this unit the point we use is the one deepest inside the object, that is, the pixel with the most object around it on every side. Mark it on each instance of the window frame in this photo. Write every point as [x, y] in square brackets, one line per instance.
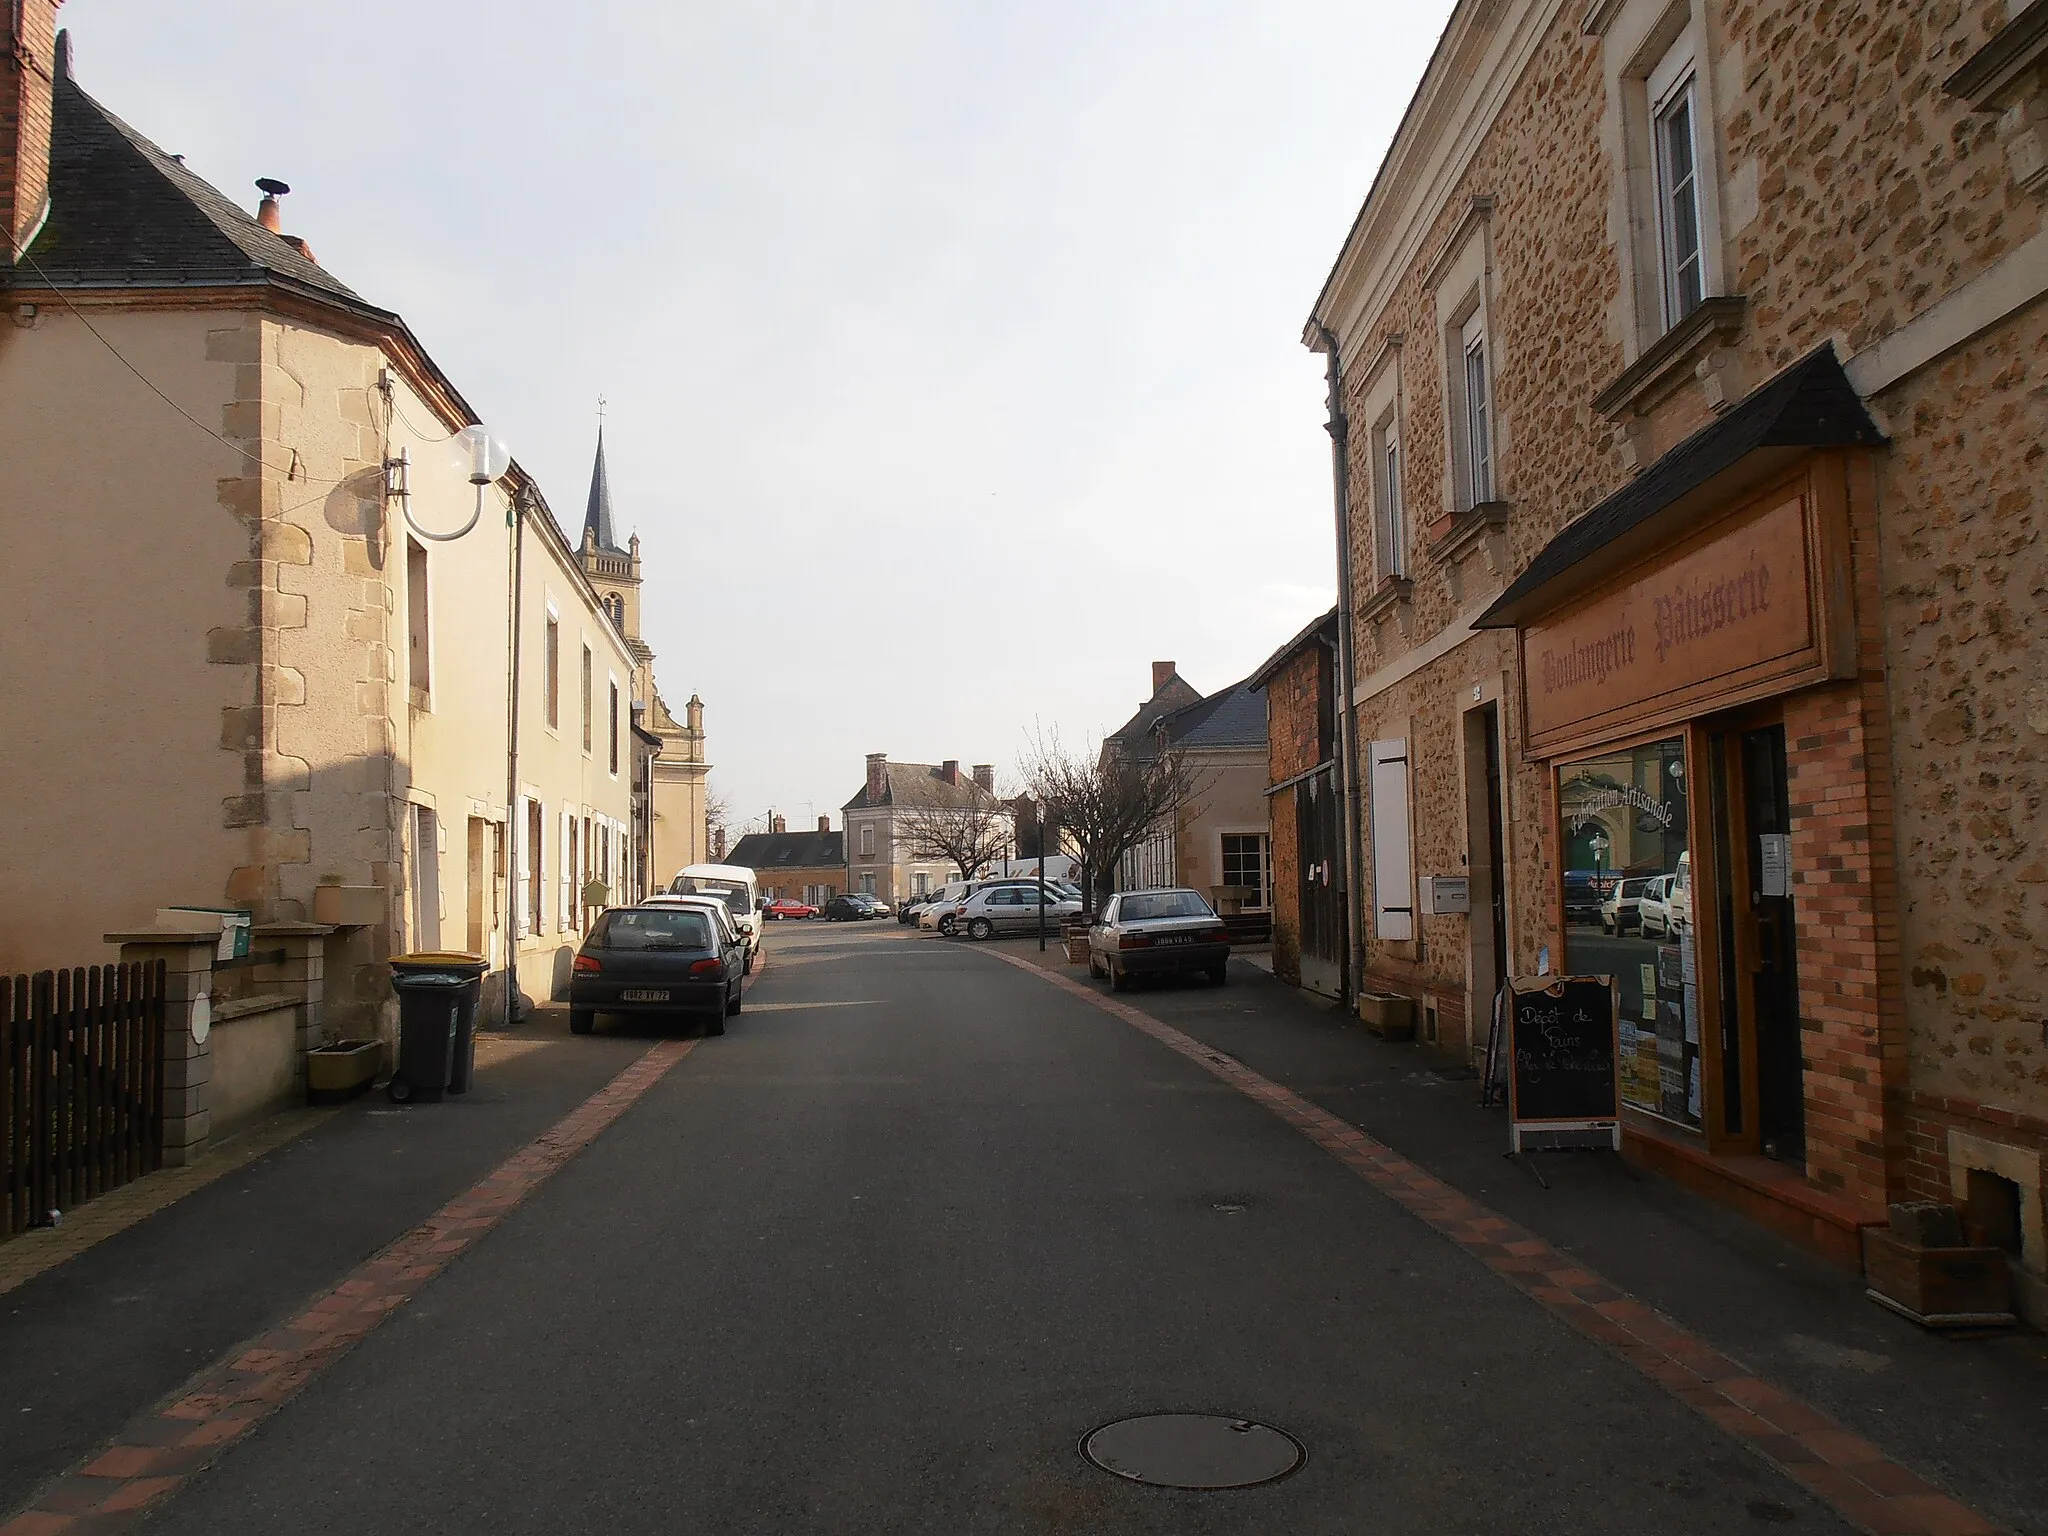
[588, 681]
[1386, 470]
[612, 734]
[1665, 100]
[551, 669]
[1477, 391]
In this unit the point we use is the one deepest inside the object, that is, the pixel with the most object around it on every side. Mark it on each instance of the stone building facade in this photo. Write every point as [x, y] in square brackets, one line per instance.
[884, 858]
[1653, 300]
[1304, 800]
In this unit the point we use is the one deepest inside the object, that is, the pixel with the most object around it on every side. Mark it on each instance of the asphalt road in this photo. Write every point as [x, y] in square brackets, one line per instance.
[876, 1260]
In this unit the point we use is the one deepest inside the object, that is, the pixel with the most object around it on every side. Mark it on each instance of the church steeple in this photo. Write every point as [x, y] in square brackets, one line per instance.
[597, 517]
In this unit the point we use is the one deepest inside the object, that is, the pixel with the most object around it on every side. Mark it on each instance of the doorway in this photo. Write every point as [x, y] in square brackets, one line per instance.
[1759, 948]
[1487, 869]
[1319, 890]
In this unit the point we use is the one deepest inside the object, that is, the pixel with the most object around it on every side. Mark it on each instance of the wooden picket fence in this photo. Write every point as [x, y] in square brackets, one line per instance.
[81, 1086]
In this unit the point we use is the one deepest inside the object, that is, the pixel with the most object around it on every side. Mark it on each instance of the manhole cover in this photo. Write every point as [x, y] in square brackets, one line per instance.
[1194, 1450]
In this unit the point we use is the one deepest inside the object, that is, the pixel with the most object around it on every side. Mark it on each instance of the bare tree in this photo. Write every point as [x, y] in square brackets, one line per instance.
[717, 814]
[961, 824]
[1106, 803]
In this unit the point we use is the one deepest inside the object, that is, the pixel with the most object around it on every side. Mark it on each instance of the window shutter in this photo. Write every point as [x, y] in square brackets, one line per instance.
[1393, 882]
[522, 835]
[566, 920]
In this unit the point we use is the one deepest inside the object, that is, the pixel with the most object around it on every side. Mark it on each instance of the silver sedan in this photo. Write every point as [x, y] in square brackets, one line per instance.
[1158, 933]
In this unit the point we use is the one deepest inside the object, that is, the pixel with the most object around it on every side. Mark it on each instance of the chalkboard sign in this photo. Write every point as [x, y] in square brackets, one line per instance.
[1562, 1089]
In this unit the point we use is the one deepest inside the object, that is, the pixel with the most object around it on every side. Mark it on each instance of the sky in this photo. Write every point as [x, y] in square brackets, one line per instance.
[951, 351]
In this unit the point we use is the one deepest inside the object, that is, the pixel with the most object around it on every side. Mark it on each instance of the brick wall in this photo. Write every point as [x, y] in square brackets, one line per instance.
[25, 87]
[1286, 853]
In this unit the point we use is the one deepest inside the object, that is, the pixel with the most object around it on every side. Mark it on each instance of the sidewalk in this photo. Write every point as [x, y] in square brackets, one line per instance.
[1970, 1415]
[189, 1263]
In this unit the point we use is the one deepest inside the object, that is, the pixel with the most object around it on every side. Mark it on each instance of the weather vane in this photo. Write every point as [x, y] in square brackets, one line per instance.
[600, 410]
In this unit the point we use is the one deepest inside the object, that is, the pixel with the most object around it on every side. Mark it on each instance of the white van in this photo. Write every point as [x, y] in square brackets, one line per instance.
[733, 884]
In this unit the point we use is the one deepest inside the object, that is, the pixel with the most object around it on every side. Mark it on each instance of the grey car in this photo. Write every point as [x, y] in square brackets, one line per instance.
[1158, 933]
[664, 959]
[1010, 909]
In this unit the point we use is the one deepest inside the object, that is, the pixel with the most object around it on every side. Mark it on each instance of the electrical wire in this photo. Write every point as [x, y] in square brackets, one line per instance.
[119, 357]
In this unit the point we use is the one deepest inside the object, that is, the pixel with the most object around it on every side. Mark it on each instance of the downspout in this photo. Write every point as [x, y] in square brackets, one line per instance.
[1339, 428]
[515, 821]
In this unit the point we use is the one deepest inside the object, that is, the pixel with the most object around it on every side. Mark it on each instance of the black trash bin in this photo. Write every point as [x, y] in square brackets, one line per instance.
[437, 1001]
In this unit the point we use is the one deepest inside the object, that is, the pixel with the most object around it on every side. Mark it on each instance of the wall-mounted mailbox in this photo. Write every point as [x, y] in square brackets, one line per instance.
[231, 923]
[1443, 895]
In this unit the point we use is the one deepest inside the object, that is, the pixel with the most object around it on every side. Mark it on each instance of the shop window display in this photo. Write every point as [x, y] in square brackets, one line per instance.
[1628, 913]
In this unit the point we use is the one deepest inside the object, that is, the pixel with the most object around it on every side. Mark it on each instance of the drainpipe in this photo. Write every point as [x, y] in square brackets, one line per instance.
[1339, 428]
[515, 821]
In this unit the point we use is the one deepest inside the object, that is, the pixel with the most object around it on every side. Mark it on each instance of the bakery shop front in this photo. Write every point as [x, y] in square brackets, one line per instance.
[1697, 688]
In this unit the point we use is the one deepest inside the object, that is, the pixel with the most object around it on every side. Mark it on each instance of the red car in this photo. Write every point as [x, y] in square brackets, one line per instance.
[782, 907]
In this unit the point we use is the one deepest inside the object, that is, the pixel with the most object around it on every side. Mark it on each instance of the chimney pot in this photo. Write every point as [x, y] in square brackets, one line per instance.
[878, 776]
[778, 824]
[1162, 674]
[267, 212]
[985, 776]
[824, 823]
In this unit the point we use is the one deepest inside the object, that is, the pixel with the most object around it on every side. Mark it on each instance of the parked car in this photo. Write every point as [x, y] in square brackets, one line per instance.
[1584, 891]
[735, 883]
[1009, 908]
[1653, 907]
[845, 909]
[659, 957]
[1158, 933]
[871, 905]
[1620, 911]
[721, 916]
[939, 912]
[782, 908]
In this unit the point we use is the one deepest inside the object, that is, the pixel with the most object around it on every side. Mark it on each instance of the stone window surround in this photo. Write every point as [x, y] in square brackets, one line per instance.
[551, 663]
[1667, 38]
[1381, 411]
[2009, 76]
[1460, 281]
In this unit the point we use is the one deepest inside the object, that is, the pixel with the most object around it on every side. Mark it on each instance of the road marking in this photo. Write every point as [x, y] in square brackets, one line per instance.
[1838, 1467]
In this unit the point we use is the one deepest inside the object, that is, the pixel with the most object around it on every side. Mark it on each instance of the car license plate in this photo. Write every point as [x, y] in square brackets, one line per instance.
[643, 995]
[1178, 938]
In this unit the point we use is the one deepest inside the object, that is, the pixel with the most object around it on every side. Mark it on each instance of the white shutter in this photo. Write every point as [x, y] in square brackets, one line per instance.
[522, 840]
[1393, 871]
[565, 921]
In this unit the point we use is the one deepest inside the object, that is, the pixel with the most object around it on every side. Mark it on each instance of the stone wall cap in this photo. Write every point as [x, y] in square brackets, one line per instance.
[164, 936]
[290, 930]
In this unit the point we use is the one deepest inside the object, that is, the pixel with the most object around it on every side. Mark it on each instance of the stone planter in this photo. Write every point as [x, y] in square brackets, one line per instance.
[1077, 946]
[1387, 1014]
[337, 1073]
[1938, 1287]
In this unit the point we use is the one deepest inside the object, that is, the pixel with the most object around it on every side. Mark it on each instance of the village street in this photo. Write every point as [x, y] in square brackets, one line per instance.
[879, 1258]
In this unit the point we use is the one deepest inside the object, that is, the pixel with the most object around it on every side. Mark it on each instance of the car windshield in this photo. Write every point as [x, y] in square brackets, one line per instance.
[1150, 904]
[1633, 887]
[652, 928]
[731, 892]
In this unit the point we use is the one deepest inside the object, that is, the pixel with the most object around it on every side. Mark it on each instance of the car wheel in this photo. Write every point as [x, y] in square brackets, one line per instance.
[582, 1020]
[715, 1025]
[1095, 968]
[747, 963]
[1220, 973]
[399, 1089]
[734, 1003]
[981, 928]
[1119, 979]
[946, 925]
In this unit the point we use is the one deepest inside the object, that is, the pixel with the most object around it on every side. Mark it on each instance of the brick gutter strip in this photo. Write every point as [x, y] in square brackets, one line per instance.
[1845, 1471]
[161, 1450]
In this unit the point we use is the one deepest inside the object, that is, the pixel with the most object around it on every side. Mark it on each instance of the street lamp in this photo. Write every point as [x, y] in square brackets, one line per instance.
[488, 459]
[1039, 811]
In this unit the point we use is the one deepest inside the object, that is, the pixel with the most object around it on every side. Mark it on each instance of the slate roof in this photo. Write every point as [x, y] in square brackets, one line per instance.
[123, 213]
[765, 852]
[1176, 693]
[597, 516]
[1229, 719]
[1812, 404]
[920, 784]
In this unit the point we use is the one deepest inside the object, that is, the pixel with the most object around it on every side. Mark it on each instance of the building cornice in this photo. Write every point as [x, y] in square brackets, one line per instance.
[1483, 51]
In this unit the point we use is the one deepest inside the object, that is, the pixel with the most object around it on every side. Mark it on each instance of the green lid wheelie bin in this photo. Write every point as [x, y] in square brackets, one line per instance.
[437, 998]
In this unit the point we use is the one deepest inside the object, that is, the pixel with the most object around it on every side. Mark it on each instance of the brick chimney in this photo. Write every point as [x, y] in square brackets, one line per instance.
[1162, 674]
[949, 770]
[28, 79]
[878, 777]
[824, 823]
[778, 824]
[985, 776]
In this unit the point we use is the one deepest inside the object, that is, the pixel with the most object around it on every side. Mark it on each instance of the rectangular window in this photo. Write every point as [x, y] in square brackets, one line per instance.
[1628, 910]
[1390, 528]
[588, 701]
[867, 843]
[1393, 872]
[551, 674]
[612, 730]
[867, 885]
[1244, 866]
[920, 884]
[1478, 413]
[565, 896]
[1678, 202]
[418, 652]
